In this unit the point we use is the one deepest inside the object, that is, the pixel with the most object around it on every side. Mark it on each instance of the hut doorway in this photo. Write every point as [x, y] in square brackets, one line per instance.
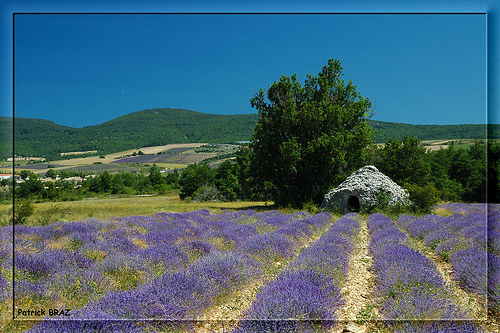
[353, 204]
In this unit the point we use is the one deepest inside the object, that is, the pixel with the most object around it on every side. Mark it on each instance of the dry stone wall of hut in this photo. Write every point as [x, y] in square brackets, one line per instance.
[362, 189]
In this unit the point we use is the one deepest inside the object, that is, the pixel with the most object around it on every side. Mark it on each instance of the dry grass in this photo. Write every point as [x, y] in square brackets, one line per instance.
[104, 208]
[442, 211]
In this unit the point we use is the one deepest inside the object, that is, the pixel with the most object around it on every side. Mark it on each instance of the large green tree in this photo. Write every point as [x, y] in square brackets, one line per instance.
[309, 137]
[404, 161]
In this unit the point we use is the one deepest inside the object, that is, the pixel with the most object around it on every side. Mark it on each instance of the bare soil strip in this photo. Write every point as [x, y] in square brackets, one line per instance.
[359, 310]
[222, 318]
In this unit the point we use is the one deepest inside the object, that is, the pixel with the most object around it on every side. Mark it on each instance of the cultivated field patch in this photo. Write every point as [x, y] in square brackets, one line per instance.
[42, 166]
[185, 158]
[79, 152]
[100, 168]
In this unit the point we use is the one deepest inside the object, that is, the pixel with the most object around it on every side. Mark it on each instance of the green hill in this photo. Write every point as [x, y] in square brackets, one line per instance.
[388, 130]
[38, 137]
[43, 138]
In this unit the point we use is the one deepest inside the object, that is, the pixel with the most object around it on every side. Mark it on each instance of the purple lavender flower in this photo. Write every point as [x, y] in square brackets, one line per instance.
[224, 271]
[197, 248]
[494, 282]
[78, 284]
[75, 260]
[295, 230]
[404, 220]
[174, 296]
[494, 241]
[40, 264]
[385, 237]
[302, 295]
[421, 303]
[33, 290]
[348, 228]
[118, 243]
[434, 238]
[268, 247]
[85, 226]
[5, 288]
[43, 233]
[305, 297]
[464, 208]
[447, 248]
[241, 232]
[378, 221]
[422, 227]
[5, 254]
[178, 294]
[476, 233]
[455, 223]
[330, 258]
[399, 269]
[319, 220]
[168, 255]
[6, 233]
[413, 294]
[470, 269]
[275, 218]
[159, 237]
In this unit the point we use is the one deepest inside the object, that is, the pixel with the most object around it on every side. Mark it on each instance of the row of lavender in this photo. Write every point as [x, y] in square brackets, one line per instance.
[306, 295]
[178, 297]
[413, 295]
[469, 241]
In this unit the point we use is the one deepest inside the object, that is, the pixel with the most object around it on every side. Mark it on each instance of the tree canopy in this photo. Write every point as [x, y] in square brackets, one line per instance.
[404, 161]
[309, 137]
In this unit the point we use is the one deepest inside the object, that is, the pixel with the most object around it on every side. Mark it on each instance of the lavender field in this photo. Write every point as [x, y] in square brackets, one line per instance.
[256, 272]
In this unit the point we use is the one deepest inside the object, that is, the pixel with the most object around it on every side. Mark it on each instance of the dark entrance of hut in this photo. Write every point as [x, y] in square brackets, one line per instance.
[353, 204]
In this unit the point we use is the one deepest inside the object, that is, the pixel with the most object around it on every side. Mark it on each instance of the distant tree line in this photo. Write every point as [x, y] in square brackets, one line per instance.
[396, 131]
[61, 189]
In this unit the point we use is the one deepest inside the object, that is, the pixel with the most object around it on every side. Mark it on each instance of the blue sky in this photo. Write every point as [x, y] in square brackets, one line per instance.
[84, 69]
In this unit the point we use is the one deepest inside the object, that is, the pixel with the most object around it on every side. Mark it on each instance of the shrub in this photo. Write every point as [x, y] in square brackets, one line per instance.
[194, 177]
[207, 193]
[423, 197]
[23, 210]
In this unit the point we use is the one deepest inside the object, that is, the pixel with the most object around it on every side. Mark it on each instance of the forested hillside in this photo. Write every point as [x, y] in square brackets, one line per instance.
[44, 138]
[396, 131]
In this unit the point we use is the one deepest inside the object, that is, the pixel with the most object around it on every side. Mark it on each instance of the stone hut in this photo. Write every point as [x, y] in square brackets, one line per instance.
[361, 189]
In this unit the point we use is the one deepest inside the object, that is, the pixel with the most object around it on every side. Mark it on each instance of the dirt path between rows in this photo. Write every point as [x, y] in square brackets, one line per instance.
[360, 307]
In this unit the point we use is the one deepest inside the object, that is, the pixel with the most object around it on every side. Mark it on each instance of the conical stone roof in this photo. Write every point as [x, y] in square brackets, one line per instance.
[363, 189]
